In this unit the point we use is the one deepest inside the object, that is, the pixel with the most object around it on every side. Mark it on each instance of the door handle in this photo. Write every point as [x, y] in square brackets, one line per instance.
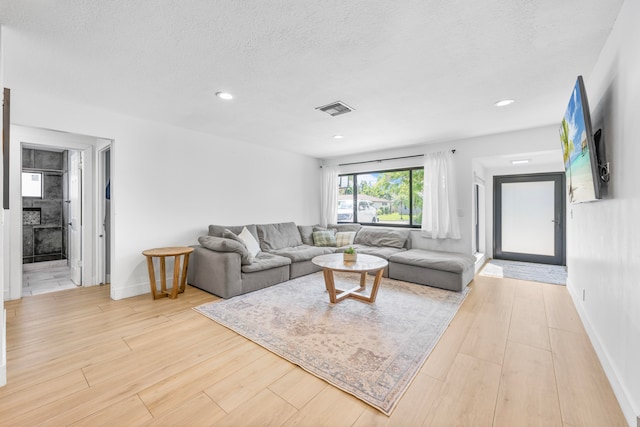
[555, 221]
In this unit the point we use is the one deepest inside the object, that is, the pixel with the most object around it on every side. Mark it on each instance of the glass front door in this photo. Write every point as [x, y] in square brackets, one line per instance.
[529, 218]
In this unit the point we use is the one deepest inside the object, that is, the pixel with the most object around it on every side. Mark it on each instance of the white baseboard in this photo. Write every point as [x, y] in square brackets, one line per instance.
[3, 349]
[622, 394]
[129, 291]
[135, 290]
[481, 258]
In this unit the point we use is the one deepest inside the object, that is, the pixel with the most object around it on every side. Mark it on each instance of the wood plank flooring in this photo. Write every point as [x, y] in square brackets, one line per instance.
[516, 354]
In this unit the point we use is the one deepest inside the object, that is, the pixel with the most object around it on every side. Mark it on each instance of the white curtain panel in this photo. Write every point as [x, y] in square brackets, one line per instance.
[439, 207]
[329, 195]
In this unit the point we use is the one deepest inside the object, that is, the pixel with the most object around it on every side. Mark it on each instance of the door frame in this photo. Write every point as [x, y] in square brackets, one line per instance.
[558, 178]
[45, 138]
[102, 147]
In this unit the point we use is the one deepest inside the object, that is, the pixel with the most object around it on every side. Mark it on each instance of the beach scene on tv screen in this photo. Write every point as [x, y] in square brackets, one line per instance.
[577, 160]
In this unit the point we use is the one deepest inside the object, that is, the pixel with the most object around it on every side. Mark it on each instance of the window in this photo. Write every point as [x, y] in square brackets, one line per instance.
[389, 197]
[31, 184]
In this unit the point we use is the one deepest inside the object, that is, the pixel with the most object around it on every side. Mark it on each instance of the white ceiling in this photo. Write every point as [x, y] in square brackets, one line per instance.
[416, 72]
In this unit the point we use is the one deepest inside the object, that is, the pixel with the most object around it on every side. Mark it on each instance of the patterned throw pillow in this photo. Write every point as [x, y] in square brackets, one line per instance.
[324, 238]
[345, 238]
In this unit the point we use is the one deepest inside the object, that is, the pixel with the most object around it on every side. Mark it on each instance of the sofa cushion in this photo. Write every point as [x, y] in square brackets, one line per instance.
[324, 238]
[444, 261]
[345, 227]
[302, 252]
[345, 238]
[277, 236]
[218, 230]
[306, 233]
[265, 261]
[372, 236]
[221, 244]
[379, 251]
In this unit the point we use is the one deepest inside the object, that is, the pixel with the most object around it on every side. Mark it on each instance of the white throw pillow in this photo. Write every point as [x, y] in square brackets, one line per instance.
[345, 238]
[250, 242]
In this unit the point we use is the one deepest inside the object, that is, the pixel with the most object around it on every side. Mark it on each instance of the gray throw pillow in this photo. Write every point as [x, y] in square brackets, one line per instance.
[220, 244]
[233, 236]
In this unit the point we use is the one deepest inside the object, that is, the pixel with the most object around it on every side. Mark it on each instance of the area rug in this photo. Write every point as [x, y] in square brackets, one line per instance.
[372, 351]
[554, 274]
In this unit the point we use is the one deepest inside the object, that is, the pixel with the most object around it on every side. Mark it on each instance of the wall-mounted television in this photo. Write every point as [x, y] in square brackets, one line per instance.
[579, 148]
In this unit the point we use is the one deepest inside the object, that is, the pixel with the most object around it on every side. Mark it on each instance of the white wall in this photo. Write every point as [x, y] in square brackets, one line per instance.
[604, 236]
[465, 164]
[168, 184]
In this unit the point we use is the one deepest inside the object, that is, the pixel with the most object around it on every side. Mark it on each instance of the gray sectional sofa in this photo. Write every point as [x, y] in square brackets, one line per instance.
[222, 266]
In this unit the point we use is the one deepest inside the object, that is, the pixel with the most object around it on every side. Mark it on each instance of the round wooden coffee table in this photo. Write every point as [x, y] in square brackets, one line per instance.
[363, 265]
[179, 280]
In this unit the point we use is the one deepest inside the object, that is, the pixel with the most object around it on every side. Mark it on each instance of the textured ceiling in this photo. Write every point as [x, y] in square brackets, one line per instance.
[415, 71]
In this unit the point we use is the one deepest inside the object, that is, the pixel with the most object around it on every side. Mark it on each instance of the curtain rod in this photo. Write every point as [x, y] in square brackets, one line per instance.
[384, 160]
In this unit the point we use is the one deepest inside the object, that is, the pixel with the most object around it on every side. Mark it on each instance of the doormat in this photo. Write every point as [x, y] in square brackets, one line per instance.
[545, 273]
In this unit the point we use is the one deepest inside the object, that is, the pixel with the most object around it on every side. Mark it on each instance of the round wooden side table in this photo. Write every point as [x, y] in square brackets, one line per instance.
[179, 280]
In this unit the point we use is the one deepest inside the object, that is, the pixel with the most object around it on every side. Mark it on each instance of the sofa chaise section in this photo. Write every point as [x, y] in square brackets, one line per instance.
[446, 270]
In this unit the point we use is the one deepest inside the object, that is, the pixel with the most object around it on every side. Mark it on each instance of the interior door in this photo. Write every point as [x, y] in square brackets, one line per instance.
[529, 218]
[75, 216]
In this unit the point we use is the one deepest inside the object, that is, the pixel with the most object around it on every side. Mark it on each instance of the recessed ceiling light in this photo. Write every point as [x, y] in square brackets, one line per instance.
[504, 102]
[519, 162]
[224, 95]
[338, 136]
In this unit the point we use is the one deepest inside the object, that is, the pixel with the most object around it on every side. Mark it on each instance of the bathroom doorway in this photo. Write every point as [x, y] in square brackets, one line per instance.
[50, 201]
[78, 209]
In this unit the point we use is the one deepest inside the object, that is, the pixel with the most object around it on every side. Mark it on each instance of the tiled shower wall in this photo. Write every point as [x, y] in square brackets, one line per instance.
[44, 219]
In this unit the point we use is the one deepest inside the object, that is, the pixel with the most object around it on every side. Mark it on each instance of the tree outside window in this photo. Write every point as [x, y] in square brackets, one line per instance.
[386, 197]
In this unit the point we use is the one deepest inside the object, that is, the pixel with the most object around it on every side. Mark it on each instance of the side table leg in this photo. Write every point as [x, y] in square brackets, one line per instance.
[183, 280]
[163, 276]
[176, 277]
[152, 277]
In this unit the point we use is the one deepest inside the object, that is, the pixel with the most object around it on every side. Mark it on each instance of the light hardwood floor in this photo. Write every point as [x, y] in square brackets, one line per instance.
[516, 354]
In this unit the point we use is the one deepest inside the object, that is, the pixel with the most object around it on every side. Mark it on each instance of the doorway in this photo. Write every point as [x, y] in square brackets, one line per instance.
[85, 221]
[51, 236]
[529, 212]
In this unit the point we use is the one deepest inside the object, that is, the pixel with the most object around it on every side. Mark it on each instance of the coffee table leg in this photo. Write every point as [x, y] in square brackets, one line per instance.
[363, 282]
[376, 285]
[330, 284]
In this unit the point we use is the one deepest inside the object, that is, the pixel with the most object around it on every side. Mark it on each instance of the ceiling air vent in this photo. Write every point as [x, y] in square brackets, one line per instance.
[335, 108]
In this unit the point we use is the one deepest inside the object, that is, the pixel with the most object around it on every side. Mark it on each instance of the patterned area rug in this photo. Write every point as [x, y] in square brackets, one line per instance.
[372, 351]
[555, 274]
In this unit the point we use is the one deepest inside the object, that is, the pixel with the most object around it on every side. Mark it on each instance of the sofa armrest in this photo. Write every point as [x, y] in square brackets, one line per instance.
[215, 272]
